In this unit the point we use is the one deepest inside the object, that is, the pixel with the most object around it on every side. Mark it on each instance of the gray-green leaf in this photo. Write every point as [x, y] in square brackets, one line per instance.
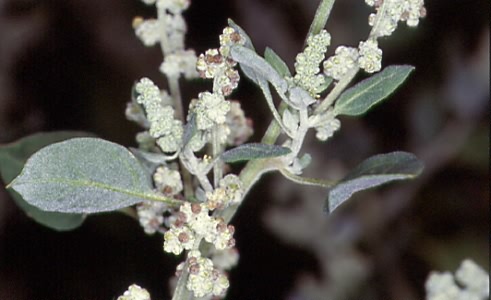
[365, 94]
[262, 69]
[253, 151]
[12, 159]
[276, 62]
[83, 175]
[372, 172]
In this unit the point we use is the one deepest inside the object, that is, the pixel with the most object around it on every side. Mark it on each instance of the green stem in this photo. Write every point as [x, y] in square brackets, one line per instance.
[321, 16]
[217, 167]
[337, 90]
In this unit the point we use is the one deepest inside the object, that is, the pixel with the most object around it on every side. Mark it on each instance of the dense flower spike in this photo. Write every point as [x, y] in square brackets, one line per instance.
[135, 292]
[307, 63]
[163, 126]
[240, 126]
[182, 62]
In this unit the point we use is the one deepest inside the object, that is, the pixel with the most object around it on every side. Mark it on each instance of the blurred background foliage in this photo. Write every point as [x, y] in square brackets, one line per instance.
[71, 64]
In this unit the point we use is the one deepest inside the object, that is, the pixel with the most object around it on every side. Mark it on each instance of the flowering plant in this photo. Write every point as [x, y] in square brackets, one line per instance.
[176, 182]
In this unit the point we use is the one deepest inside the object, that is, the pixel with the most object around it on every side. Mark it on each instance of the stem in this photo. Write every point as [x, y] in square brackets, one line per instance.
[321, 16]
[217, 167]
[337, 90]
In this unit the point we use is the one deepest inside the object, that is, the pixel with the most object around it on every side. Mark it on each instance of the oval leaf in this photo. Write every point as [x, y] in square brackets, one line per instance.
[253, 151]
[365, 94]
[372, 172]
[83, 175]
[12, 159]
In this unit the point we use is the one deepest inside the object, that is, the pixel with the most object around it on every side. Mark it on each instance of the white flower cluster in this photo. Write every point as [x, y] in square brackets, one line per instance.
[135, 292]
[150, 215]
[307, 63]
[177, 60]
[325, 124]
[229, 191]
[390, 12]
[167, 181]
[368, 56]
[217, 63]
[211, 109]
[205, 281]
[167, 130]
[470, 282]
[194, 222]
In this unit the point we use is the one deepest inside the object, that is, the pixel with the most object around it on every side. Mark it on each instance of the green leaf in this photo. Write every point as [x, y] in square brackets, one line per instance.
[253, 151]
[12, 159]
[365, 94]
[260, 67]
[276, 62]
[84, 175]
[372, 172]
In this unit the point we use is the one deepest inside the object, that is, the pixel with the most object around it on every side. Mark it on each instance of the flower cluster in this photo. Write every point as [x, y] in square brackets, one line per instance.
[307, 63]
[368, 57]
[228, 192]
[212, 110]
[167, 181]
[390, 12]
[470, 282]
[150, 215]
[135, 292]
[168, 30]
[325, 124]
[204, 279]
[163, 127]
[193, 223]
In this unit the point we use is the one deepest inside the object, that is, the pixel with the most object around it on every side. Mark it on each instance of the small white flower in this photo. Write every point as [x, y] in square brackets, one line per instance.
[167, 181]
[135, 292]
[204, 280]
[473, 277]
[150, 215]
[409, 11]
[325, 124]
[370, 58]
[345, 59]
[173, 6]
[182, 62]
[211, 63]
[148, 31]
[473, 280]
[229, 38]
[210, 110]
[176, 239]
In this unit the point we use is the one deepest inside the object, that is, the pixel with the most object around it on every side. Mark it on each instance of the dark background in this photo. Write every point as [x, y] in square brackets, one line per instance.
[71, 64]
